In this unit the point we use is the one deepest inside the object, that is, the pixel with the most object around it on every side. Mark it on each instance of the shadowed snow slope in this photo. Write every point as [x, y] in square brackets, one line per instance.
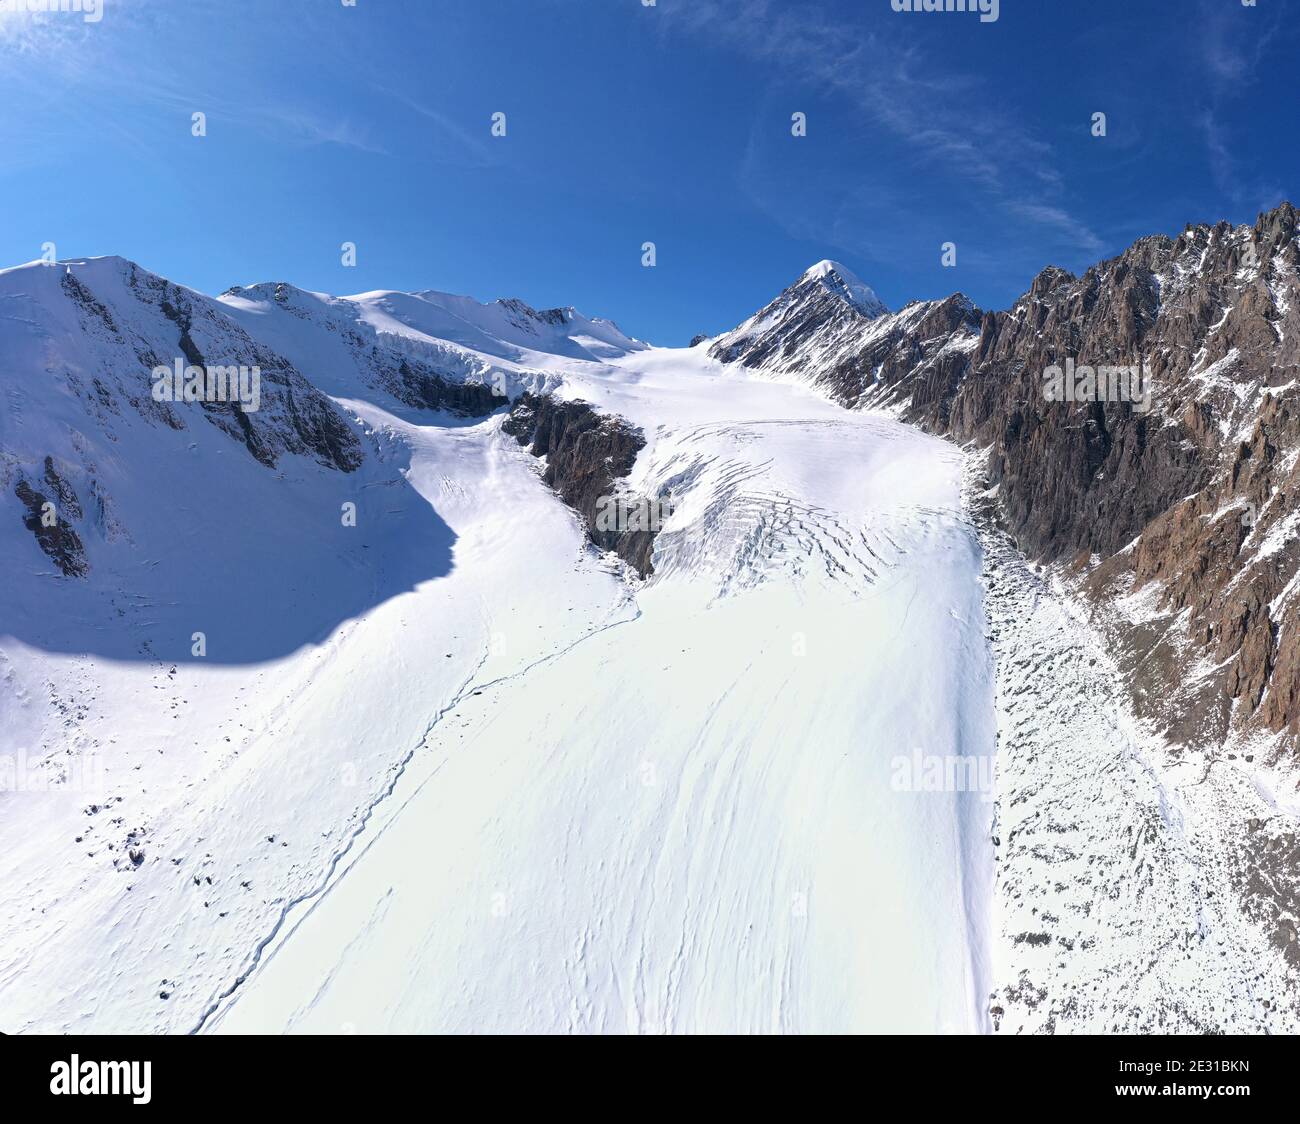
[184, 517]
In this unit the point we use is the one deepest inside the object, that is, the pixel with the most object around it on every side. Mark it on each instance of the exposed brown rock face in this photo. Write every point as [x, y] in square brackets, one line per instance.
[586, 454]
[1195, 501]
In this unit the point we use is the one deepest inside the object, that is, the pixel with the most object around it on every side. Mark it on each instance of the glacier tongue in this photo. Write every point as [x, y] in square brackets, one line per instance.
[448, 768]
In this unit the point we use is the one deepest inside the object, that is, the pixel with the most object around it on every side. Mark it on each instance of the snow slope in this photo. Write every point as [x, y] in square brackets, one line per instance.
[456, 770]
[451, 769]
[339, 340]
[691, 820]
[241, 786]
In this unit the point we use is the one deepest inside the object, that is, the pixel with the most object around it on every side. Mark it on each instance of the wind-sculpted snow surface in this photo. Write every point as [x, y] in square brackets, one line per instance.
[169, 814]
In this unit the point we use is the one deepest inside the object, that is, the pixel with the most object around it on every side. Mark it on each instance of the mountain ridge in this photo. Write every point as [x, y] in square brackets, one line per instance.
[245, 628]
[1130, 504]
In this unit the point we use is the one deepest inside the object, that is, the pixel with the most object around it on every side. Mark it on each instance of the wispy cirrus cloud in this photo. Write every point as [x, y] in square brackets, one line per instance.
[1233, 44]
[86, 56]
[1058, 218]
[37, 32]
[892, 81]
[457, 145]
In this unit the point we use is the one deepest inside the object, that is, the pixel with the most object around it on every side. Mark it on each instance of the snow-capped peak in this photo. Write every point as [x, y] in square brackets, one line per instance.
[844, 283]
[828, 304]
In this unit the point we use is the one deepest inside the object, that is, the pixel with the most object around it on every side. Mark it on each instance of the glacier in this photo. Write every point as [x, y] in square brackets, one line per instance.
[447, 767]
[453, 769]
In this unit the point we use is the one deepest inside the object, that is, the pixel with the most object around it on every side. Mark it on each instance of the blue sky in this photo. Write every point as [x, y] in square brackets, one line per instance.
[629, 123]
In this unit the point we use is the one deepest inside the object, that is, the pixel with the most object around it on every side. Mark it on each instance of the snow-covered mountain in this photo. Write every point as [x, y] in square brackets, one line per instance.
[357, 710]
[599, 752]
[826, 305]
[397, 343]
[157, 504]
[1169, 520]
[1181, 500]
[563, 332]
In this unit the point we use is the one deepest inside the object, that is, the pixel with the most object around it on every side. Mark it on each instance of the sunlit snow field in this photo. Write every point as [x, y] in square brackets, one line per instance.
[690, 820]
[460, 772]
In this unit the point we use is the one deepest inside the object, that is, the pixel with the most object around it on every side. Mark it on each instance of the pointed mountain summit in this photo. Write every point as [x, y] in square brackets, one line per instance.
[845, 284]
[829, 290]
[827, 299]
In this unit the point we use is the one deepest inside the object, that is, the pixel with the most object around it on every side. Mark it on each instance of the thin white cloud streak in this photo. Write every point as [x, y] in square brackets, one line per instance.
[86, 63]
[465, 149]
[1055, 217]
[1233, 45]
[893, 83]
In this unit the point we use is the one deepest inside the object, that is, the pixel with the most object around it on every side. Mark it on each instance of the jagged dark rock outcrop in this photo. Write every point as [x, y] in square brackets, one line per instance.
[1215, 315]
[427, 390]
[1196, 498]
[586, 453]
[46, 518]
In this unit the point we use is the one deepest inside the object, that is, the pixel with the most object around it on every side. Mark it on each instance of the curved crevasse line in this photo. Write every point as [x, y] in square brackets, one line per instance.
[328, 881]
